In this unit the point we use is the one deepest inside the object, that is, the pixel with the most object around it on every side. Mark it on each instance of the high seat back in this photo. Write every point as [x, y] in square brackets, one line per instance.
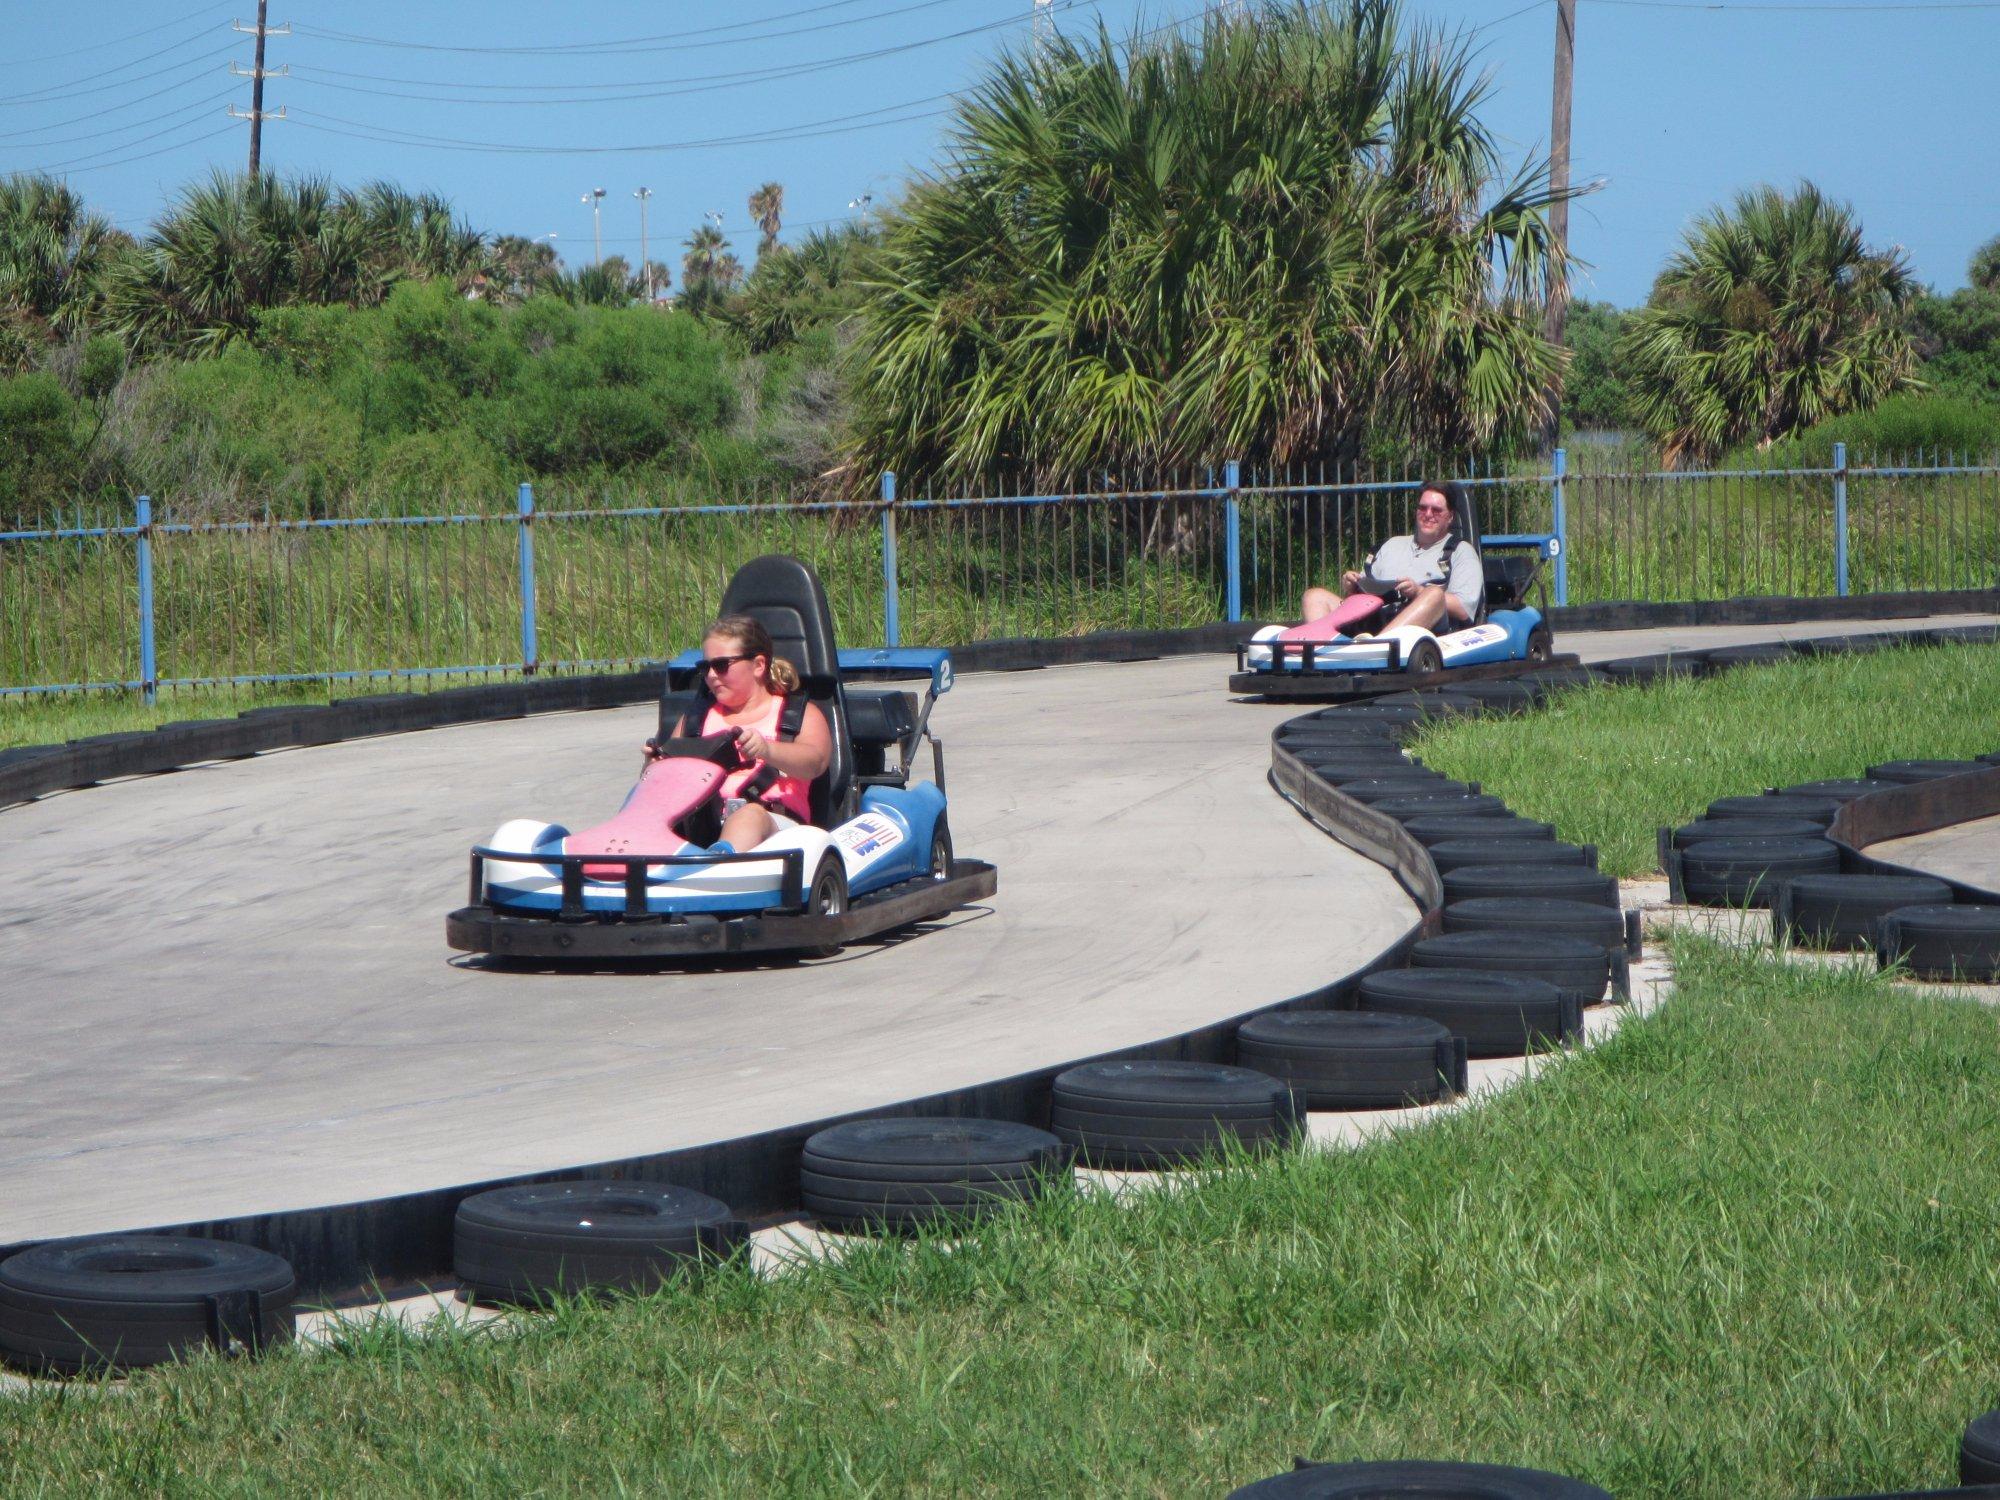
[1465, 521]
[784, 596]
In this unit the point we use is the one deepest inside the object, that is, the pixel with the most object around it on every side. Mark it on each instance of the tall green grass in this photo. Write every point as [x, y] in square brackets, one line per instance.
[1611, 765]
[1743, 1249]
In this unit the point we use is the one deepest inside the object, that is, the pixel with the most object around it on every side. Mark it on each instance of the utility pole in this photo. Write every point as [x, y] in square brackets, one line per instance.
[1556, 313]
[645, 259]
[595, 198]
[257, 75]
[1045, 25]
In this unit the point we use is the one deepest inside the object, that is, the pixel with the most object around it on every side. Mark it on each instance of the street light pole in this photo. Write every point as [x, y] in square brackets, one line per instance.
[646, 260]
[595, 198]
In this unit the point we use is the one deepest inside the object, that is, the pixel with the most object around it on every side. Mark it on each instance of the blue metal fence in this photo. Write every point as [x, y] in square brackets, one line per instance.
[155, 601]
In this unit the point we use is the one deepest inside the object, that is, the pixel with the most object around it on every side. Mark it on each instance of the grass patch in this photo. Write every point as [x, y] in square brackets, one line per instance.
[1742, 1249]
[1611, 765]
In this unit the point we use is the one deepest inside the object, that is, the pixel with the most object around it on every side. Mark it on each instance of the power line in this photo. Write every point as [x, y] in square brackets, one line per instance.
[96, 135]
[130, 36]
[51, 96]
[109, 109]
[667, 41]
[79, 163]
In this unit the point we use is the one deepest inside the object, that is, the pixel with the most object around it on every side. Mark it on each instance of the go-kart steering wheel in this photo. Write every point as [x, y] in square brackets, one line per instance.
[719, 748]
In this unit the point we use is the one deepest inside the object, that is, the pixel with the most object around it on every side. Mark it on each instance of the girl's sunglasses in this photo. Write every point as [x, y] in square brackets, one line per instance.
[720, 665]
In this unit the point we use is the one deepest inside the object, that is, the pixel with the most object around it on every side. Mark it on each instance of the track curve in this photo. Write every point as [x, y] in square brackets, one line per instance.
[230, 993]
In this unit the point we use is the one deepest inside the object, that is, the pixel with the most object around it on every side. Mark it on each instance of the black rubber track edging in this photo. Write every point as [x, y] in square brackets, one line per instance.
[1583, 968]
[1499, 1015]
[908, 1172]
[1352, 1059]
[1417, 1480]
[1843, 911]
[535, 1243]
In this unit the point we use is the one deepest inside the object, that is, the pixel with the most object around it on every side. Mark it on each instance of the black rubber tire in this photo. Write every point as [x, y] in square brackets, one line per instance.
[1563, 678]
[1378, 713]
[1838, 788]
[1499, 1015]
[827, 897]
[1990, 758]
[905, 1172]
[1556, 882]
[1760, 654]
[1402, 787]
[939, 863]
[1906, 771]
[124, 1302]
[1703, 829]
[1841, 911]
[1405, 774]
[1743, 872]
[1405, 1479]
[1943, 942]
[1818, 810]
[1541, 643]
[1509, 695]
[1424, 656]
[1327, 737]
[531, 1244]
[1650, 668]
[1150, 1114]
[1358, 759]
[1979, 1450]
[1575, 965]
[1484, 805]
[1431, 703]
[1430, 831]
[1599, 924]
[1353, 1059]
[1454, 853]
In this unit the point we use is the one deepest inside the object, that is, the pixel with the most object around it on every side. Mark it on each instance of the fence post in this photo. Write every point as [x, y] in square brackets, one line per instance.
[1559, 523]
[891, 605]
[1232, 539]
[527, 534]
[149, 667]
[1840, 519]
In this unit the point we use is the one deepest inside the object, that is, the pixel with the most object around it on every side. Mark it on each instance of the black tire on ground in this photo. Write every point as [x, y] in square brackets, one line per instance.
[1650, 668]
[1510, 695]
[1499, 1015]
[1566, 677]
[1398, 788]
[1761, 654]
[1743, 872]
[1990, 758]
[1376, 713]
[1838, 788]
[124, 1302]
[1431, 703]
[1454, 853]
[1429, 831]
[1406, 774]
[1417, 1480]
[1154, 1114]
[910, 1171]
[1541, 643]
[1576, 965]
[1423, 656]
[1359, 759]
[1353, 1059]
[1601, 925]
[1405, 808]
[1943, 942]
[1819, 810]
[534, 1243]
[1703, 829]
[1557, 882]
[1841, 911]
[939, 864]
[1979, 1450]
[827, 897]
[1328, 737]
[1904, 771]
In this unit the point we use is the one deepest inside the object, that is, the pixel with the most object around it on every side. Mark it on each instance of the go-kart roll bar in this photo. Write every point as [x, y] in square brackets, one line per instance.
[791, 888]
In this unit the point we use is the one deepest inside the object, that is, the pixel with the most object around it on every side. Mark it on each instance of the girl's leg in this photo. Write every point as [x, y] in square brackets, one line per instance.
[747, 827]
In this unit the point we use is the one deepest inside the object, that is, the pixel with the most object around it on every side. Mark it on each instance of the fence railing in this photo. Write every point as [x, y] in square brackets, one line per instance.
[144, 602]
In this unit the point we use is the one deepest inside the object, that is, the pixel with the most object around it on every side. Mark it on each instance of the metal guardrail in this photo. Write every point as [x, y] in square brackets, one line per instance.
[155, 601]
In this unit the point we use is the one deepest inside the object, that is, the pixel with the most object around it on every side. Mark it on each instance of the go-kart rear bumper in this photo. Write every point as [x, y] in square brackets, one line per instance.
[481, 928]
[1318, 686]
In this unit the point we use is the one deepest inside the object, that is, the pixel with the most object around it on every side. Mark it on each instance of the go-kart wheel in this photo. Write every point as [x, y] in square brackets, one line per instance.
[827, 897]
[1541, 644]
[940, 861]
[1424, 656]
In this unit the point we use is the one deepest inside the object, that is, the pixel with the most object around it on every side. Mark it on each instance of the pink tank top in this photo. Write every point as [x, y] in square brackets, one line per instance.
[792, 793]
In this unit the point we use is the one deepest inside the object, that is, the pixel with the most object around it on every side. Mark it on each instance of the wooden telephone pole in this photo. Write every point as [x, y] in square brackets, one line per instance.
[257, 74]
[1556, 313]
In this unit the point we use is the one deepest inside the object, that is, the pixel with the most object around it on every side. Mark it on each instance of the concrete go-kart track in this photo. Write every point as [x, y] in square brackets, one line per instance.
[228, 995]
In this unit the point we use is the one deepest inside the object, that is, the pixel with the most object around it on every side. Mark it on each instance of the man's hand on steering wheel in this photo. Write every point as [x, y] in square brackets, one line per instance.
[1350, 580]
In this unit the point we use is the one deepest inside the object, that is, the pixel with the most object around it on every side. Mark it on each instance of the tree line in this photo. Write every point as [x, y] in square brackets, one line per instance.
[1286, 238]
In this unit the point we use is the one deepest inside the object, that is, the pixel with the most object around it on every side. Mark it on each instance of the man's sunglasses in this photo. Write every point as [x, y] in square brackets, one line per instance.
[720, 665]
[1433, 510]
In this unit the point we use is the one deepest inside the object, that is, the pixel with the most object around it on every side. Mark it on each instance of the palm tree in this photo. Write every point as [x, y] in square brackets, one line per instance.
[709, 270]
[767, 207]
[1983, 271]
[1265, 242]
[53, 257]
[805, 286]
[520, 266]
[1772, 316]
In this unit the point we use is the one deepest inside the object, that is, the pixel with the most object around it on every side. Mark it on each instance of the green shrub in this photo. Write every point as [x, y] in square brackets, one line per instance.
[1913, 424]
[41, 447]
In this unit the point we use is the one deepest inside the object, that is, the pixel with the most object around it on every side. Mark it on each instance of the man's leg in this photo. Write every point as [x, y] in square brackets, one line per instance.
[1426, 608]
[1319, 603]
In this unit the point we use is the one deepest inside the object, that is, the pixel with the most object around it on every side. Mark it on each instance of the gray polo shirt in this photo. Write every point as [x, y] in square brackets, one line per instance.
[1400, 557]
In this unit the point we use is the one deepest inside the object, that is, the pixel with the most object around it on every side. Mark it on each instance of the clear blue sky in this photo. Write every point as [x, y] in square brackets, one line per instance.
[1893, 106]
